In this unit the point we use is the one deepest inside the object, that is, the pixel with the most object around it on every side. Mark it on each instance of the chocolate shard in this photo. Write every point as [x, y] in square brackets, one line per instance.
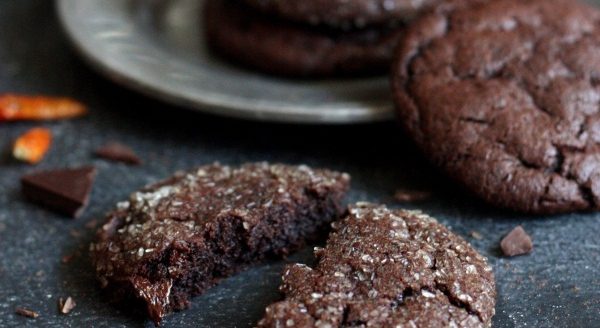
[66, 191]
[517, 242]
[117, 152]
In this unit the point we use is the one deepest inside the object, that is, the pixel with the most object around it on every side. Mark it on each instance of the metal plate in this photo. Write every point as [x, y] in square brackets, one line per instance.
[157, 47]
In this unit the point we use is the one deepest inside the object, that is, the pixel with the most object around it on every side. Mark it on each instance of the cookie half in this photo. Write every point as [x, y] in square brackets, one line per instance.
[175, 239]
[342, 13]
[504, 96]
[387, 268]
[287, 49]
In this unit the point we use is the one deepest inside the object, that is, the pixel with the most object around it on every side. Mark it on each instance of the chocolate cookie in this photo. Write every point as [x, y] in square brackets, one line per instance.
[342, 13]
[388, 268]
[282, 48]
[504, 96]
[175, 239]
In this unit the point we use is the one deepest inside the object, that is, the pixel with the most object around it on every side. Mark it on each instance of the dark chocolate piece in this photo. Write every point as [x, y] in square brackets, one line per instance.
[177, 238]
[388, 268]
[114, 151]
[282, 48]
[66, 191]
[503, 96]
[517, 242]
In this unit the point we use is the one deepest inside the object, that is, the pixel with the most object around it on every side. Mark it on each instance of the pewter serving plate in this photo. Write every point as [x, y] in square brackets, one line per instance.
[157, 47]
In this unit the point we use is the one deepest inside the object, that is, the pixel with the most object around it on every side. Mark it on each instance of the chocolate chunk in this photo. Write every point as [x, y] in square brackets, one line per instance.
[409, 196]
[114, 151]
[64, 190]
[26, 313]
[387, 268]
[517, 242]
[177, 238]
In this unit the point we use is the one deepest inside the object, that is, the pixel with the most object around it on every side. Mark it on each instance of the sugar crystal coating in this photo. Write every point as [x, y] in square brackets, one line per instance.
[174, 239]
[388, 268]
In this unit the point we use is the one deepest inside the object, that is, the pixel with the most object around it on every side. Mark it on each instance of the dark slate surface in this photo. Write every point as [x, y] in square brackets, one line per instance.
[557, 286]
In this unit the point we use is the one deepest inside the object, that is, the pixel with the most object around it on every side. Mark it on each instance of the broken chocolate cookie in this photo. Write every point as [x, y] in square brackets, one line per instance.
[176, 238]
[388, 268]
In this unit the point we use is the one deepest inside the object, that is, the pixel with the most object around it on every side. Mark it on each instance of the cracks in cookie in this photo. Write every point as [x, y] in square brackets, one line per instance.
[408, 65]
[457, 302]
[588, 195]
[401, 299]
[474, 120]
[353, 323]
[559, 161]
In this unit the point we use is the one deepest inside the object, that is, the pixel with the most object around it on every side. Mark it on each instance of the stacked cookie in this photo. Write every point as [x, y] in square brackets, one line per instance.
[309, 38]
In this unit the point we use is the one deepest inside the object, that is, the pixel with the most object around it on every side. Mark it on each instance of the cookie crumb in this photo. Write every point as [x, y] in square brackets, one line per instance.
[476, 235]
[92, 224]
[67, 258]
[517, 242]
[26, 313]
[410, 196]
[66, 306]
[118, 152]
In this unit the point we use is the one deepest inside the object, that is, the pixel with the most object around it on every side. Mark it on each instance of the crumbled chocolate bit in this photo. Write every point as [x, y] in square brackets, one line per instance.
[64, 190]
[177, 238]
[476, 235]
[67, 258]
[26, 313]
[92, 224]
[410, 196]
[66, 305]
[517, 242]
[114, 151]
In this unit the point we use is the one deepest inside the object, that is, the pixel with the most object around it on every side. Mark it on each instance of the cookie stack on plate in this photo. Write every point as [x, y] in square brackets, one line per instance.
[310, 38]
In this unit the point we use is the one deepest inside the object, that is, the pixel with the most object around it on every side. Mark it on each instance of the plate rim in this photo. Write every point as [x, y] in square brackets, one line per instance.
[221, 107]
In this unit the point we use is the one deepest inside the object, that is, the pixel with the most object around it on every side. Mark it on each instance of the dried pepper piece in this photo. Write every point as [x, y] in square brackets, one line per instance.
[20, 107]
[26, 313]
[31, 146]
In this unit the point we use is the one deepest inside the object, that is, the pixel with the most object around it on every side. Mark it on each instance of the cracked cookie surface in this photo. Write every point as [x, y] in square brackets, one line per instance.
[174, 239]
[504, 95]
[387, 268]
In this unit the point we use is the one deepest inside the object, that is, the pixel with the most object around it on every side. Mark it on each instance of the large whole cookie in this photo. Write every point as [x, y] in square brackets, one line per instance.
[342, 13]
[504, 96]
[175, 239]
[387, 268]
[277, 47]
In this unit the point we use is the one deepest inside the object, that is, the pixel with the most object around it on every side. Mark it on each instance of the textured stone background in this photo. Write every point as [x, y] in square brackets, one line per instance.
[557, 286]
